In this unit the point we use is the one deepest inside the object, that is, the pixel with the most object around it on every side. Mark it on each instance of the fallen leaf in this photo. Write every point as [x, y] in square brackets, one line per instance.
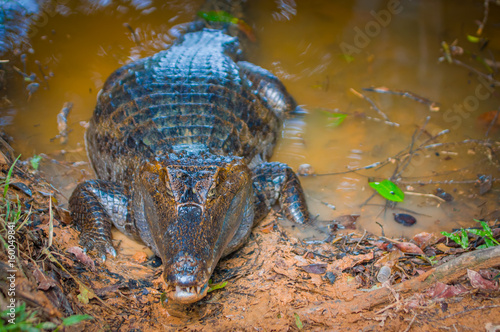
[348, 220]
[389, 259]
[44, 282]
[409, 248]
[314, 268]
[350, 261]
[479, 282]
[443, 247]
[82, 257]
[423, 239]
[443, 291]
[85, 295]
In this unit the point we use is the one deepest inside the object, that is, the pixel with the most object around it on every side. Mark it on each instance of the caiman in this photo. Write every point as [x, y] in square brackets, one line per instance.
[179, 142]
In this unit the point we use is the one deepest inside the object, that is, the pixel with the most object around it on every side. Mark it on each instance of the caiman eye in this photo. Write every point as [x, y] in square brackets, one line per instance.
[168, 188]
[213, 190]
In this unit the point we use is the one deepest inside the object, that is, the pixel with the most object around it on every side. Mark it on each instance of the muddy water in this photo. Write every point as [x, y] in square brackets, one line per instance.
[320, 50]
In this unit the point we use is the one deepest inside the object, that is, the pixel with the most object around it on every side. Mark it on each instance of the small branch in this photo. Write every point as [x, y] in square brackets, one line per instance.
[474, 70]
[43, 74]
[492, 123]
[485, 142]
[360, 95]
[445, 182]
[425, 195]
[485, 17]
[433, 106]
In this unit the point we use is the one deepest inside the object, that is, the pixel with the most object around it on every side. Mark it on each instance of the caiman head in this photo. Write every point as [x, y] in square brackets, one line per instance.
[193, 204]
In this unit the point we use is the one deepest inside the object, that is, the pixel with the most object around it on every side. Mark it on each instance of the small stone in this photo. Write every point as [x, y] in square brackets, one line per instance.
[330, 276]
[140, 257]
[305, 169]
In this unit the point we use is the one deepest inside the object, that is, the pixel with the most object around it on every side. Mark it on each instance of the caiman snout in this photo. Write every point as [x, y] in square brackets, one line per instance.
[183, 280]
[186, 276]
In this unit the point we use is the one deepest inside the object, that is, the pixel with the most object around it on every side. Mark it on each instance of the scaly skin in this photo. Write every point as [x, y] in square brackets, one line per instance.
[179, 142]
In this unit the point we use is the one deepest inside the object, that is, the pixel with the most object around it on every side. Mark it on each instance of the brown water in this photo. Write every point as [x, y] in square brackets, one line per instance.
[304, 45]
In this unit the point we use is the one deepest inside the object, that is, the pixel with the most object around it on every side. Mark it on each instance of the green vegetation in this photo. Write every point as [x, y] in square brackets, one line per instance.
[298, 322]
[213, 287]
[462, 238]
[389, 190]
[24, 321]
[35, 161]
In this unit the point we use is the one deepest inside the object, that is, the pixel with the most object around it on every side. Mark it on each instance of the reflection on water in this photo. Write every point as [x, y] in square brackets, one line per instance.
[320, 49]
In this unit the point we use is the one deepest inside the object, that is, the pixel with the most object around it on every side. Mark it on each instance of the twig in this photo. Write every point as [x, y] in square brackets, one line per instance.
[43, 74]
[469, 310]
[492, 122]
[360, 95]
[411, 323]
[444, 182]
[485, 17]
[357, 244]
[480, 73]
[433, 106]
[425, 195]
[485, 142]
[19, 71]
[389, 123]
[414, 138]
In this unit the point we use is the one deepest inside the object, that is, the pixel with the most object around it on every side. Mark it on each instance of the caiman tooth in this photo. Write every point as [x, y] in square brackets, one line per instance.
[178, 289]
[198, 289]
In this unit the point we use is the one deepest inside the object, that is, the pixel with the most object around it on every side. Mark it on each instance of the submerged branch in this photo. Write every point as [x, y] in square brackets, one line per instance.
[433, 106]
[374, 106]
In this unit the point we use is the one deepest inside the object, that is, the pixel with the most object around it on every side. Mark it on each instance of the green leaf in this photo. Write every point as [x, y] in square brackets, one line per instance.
[473, 39]
[477, 232]
[7, 178]
[298, 322]
[348, 58]
[46, 326]
[35, 161]
[465, 239]
[216, 286]
[486, 228]
[75, 319]
[462, 241]
[389, 190]
[218, 16]
[335, 119]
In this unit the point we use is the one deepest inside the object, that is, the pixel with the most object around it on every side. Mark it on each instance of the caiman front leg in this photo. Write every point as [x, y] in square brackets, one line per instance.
[276, 182]
[95, 205]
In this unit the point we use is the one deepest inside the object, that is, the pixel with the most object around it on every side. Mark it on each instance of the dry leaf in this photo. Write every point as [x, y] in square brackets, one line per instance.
[444, 248]
[409, 248]
[443, 291]
[348, 220]
[423, 239]
[314, 268]
[44, 282]
[479, 282]
[82, 257]
[389, 259]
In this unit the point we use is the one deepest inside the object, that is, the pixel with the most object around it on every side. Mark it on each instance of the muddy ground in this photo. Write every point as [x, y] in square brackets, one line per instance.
[274, 283]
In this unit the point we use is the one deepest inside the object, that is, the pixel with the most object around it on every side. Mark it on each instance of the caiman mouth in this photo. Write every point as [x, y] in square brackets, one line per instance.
[186, 295]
